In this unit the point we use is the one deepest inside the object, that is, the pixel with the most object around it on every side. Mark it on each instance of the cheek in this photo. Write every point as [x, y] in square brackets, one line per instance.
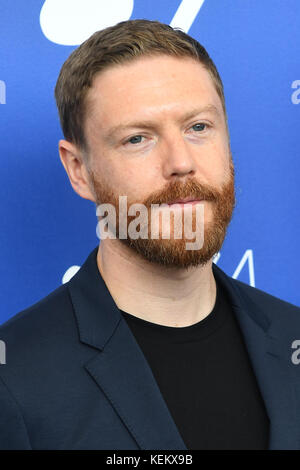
[138, 178]
[216, 162]
[135, 180]
[129, 182]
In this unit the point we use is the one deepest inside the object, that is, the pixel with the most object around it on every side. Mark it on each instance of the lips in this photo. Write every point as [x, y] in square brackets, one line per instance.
[184, 201]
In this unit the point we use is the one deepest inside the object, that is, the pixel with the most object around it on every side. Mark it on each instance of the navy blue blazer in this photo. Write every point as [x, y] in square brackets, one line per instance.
[75, 377]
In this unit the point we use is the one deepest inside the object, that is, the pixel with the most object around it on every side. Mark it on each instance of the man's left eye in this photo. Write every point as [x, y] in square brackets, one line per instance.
[199, 126]
[136, 139]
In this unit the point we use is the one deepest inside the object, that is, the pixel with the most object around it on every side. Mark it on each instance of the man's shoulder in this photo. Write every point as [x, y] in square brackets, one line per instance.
[275, 307]
[45, 319]
[58, 298]
[262, 296]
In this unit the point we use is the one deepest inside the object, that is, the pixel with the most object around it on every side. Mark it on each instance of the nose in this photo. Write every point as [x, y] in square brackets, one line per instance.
[177, 157]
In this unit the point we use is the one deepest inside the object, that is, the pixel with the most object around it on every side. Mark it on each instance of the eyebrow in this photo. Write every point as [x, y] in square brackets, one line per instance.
[110, 134]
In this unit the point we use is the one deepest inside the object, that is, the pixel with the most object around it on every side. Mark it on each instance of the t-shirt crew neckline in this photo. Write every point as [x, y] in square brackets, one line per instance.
[203, 328]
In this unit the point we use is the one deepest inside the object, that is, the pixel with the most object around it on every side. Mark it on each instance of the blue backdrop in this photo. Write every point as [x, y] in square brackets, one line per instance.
[46, 228]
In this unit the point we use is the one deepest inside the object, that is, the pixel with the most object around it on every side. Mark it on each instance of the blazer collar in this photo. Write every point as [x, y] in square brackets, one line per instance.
[123, 373]
[98, 315]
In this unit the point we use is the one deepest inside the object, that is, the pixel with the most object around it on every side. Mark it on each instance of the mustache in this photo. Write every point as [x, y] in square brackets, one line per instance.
[175, 190]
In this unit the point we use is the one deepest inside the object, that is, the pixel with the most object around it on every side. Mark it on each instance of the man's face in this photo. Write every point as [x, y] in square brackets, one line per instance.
[156, 130]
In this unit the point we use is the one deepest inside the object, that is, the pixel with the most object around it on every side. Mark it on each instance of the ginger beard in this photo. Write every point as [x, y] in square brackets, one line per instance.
[172, 252]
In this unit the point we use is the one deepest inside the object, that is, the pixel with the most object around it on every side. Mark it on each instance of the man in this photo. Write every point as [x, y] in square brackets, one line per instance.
[150, 345]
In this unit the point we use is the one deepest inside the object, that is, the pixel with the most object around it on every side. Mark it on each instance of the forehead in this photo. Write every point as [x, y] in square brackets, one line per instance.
[149, 87]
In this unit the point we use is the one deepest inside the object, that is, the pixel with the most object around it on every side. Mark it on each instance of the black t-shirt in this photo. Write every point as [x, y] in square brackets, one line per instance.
[206, 379]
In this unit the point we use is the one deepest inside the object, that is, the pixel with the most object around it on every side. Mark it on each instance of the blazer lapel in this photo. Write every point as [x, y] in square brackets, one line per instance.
[120, 368]
[125, 377]
[270, 356]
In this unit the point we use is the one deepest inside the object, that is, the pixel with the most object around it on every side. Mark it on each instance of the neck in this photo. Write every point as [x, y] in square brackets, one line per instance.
[166, 296]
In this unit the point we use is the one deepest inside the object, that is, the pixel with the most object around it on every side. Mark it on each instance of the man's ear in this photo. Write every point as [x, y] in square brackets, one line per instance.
[75, 167]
